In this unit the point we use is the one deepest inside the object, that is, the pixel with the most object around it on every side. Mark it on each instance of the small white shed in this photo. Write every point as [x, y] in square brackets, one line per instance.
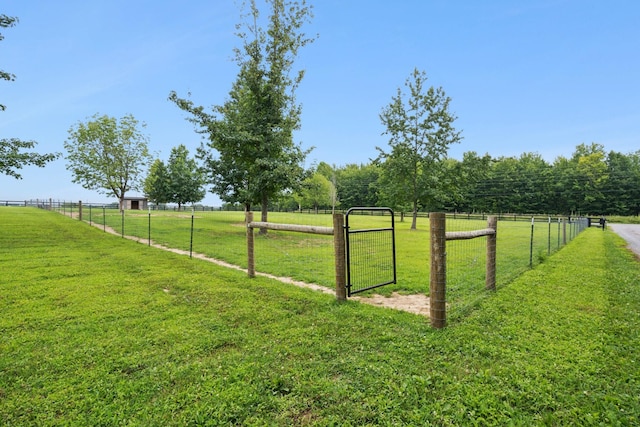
[135, 203]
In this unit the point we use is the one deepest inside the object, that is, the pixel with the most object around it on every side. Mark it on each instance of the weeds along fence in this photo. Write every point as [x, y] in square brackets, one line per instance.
[521, 243]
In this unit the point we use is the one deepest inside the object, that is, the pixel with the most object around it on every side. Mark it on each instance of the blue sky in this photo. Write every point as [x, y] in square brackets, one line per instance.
[524, 76]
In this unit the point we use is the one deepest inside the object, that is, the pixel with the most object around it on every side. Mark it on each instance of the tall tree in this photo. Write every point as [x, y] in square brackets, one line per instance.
[251, 156]
[468, 176]
[316, 191]
[532, 187]
[357, 185]
[108, 155]
[12, 157]
[420, 129]
[580, 180]
[185, 179]
[634, 172]
[156, 184]
[331, 174]
[622, 189]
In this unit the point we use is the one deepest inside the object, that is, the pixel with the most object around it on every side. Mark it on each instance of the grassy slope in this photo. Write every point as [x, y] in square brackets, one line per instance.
[97, 330]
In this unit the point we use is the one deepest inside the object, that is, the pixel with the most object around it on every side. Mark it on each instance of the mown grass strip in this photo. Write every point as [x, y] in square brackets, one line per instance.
[97, 330]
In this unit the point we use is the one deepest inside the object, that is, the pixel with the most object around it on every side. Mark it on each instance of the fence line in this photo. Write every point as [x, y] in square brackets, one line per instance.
[451, 291]
[438, 277]
[221, 234]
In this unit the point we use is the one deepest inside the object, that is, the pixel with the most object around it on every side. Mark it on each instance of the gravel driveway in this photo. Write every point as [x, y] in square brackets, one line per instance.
[630, 233]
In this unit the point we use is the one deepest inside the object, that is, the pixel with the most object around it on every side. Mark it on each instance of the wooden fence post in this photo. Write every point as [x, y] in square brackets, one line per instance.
[339, 249]
[438, 270]
[564, 231]
[80, 210]
[490, 281]
[251, 265]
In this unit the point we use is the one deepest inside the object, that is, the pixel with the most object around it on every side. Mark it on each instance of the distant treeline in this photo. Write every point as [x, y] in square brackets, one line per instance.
[590, 182]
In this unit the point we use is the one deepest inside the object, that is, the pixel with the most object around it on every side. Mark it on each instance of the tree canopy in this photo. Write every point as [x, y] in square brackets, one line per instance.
[181, 181]
[591, 181]
[12, 156]
[316, 191]
[250, 156]
[108, 155]
[6, 22]
[420, 130]
[156, 184]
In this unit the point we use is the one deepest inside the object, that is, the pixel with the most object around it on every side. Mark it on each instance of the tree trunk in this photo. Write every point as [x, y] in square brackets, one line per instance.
[415, 216]
[265, 211]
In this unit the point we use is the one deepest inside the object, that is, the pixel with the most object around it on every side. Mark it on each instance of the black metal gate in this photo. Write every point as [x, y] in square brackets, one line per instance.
[371, 248]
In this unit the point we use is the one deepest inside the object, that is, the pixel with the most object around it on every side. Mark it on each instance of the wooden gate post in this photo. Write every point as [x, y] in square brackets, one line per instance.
[339, 250]
[251, 264]
[490, 281]
[438, 270]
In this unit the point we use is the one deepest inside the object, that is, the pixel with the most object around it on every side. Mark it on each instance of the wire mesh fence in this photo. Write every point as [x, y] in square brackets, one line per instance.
[465, 267]
[522, 243]
[221, 235]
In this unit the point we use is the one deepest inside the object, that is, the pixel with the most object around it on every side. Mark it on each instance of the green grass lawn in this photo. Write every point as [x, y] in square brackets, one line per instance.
[98, 330]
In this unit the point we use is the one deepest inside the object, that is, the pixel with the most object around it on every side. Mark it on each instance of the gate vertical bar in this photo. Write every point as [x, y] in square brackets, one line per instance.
[393, 246]
[339, 250]
[438, 270]
[490, 281]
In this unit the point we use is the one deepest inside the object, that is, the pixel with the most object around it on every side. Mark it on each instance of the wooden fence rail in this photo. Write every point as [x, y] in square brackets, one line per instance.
[337, 231]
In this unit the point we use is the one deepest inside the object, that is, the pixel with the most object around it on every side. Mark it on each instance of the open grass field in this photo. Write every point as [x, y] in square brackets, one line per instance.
[98, 330]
